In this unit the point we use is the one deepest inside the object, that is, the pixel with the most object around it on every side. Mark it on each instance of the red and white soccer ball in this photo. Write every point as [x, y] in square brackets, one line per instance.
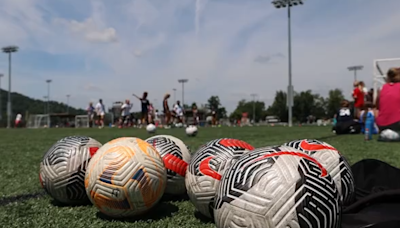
[333, 161]
[206, 168]
[277, 187]
[176, 156]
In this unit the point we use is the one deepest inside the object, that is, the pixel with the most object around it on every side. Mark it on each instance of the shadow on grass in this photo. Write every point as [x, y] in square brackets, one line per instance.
[327, 137]
[21, 198]
[160, 211]
[203, 218]
[175, 198]
[80, 204]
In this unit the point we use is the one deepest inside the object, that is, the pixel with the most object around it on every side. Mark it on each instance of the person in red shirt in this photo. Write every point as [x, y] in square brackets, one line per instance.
[388, 102]
[358, 95]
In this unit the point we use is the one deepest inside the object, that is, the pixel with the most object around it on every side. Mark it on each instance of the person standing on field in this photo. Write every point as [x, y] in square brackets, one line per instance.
[101, 111]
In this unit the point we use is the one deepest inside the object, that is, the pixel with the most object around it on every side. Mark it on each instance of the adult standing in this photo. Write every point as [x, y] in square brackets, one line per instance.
[145, 107]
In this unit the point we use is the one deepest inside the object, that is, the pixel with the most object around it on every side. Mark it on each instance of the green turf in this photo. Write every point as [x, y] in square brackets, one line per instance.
[23, 203]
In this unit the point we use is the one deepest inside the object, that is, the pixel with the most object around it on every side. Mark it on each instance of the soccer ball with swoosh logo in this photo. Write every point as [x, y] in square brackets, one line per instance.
[333, 161]
[274, 187]
[206, 168]
[176, 156]
[126, 177]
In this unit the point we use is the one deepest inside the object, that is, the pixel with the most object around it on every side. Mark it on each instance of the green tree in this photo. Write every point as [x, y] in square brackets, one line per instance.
[26, 105]
[214, 103]
[256, 107]
[279, 106]
[319, 110]
[303, 105]
[333, 101]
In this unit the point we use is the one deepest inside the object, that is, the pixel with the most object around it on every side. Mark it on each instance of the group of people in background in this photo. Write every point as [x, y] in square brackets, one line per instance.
[385, 109]
[149, 115]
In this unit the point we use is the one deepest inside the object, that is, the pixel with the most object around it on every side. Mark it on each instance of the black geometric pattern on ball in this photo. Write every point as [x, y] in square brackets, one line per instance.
[312, 205]
[63, 169]
[316, 197]
[164, 146]
[346, 176]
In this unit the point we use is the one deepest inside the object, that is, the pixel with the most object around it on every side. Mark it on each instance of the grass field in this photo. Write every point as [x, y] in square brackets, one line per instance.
[24, 204]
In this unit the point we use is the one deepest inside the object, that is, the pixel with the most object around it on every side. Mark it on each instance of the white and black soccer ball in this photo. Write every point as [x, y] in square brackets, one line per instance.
[191, 131]
[389, 135]
[151, 128]
[176, 156]
[333, 161]
[62, 170]
[206, 168]
[275, 187]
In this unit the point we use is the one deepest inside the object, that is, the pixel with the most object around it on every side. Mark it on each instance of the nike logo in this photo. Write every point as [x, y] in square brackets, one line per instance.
[305, 145]
[93, 150]
[236, 143]
[205, 169]
[324, 172]
[175, 164]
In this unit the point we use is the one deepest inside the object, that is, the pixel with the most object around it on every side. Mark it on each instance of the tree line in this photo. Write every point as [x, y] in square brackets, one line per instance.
[306, 103]
[26, 105]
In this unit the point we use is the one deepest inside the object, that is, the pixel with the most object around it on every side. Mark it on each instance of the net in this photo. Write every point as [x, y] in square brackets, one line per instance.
[82, 121]
[38, 121]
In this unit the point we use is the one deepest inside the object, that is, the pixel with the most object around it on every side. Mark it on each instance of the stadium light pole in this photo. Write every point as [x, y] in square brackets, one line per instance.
[253, 95]
[289, 4]
[1, 108]
[9, 50]
[68, 95]
[44, 106]
[48, 81]
[355, 69]
[183, 81]
[174, 95]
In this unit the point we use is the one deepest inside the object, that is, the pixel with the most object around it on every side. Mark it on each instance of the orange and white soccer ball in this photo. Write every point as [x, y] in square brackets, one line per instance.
[126, 177]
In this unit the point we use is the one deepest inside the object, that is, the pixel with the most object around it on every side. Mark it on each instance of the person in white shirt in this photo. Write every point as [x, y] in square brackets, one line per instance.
[178, 111]
[100, 111]
[125, 113]
[18, 119]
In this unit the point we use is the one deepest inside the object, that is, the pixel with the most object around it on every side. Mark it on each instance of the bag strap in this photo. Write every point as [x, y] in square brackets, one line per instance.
[387, 196]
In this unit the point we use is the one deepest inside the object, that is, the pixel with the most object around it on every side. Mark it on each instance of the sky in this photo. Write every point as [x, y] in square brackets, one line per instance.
[230, 48]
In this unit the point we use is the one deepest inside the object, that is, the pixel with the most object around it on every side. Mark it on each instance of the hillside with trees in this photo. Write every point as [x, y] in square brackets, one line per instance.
[23, 104]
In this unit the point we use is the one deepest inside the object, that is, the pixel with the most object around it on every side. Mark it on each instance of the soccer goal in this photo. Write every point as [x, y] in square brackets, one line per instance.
[381, 66]
[82, 121]
[38, 121]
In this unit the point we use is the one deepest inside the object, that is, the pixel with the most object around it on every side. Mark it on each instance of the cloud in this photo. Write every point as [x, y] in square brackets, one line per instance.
[264, 59]
[111, 49]
[89, 30]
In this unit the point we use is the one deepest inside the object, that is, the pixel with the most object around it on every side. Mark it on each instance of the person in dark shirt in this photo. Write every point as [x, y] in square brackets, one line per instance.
[345, 123]
[166, 110]
[145, 107]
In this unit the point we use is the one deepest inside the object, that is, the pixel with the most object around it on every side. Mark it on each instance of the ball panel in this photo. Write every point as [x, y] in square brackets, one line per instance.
[126, 177]
[206, 168]
[176, 157]
[333, 161]
[276, 187]
[63, 168]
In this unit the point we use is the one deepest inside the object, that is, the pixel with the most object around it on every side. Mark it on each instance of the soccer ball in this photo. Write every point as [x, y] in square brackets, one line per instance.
[206, 168]
[126, 177]
[176, 156]
[191, 131]
[151, 128]
[62, 170]
[333, 161]
[390, 135]
[277, 187]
